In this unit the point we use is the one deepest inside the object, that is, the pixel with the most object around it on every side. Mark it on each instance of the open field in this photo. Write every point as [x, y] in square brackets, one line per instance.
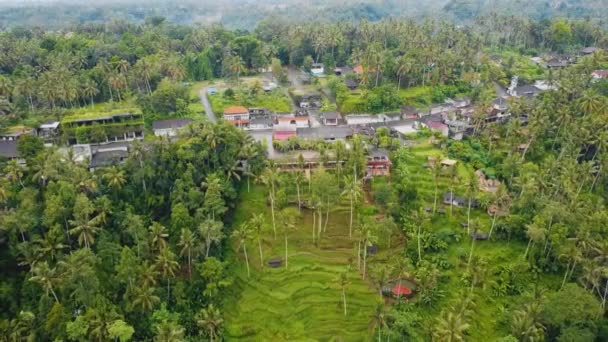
[302, 302]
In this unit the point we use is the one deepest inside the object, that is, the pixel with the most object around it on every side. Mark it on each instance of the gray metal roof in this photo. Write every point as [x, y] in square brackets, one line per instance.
[107, 158]
[8, 149]
[325, 132]
[173, 123]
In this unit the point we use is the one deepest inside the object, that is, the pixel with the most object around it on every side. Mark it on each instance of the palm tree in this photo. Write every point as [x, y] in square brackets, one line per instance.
[270, 178]
[450, 327]
[257, 224]
[535, 233]
[436, 173]
[343, 282]
[242, 234]
[46, 277]
[168, 331]
[144, 299]
[236, 67]
[89, 89]
[472, 186]
[147, 275]
[298, 178]
[525, 323]
[352, 190]
[85, 228]
[211, 232]
[158, 236]
[368, 238]
[380, 319]
[288, 220]
[187, 241]
[166, 264]
[210, 319]
[453, 176]
[115, 178]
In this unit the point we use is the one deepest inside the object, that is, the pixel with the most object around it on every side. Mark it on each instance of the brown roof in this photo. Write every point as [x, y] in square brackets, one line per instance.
[236, 110]
[358, 69]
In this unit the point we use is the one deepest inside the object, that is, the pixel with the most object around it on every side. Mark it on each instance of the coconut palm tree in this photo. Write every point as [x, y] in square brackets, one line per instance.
[167, 265]
[344, 282]
[144, 299]
[450, 327]
[352, 191]
[256, 222]
[158, 236]
[236, 67]
[288, 222]
[210, 319]
[270, 178]
[211, 232]
[115, 177]
[368, 238]
[45, 276]
[187, 242]
[169, 331]
[380, 319]
[436, 172]
[242, 234]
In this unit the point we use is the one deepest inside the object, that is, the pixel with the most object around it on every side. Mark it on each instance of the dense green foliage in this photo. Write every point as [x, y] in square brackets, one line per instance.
[151, 249]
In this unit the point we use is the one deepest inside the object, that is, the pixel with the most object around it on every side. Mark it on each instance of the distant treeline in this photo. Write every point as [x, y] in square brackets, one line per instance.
[240, 14]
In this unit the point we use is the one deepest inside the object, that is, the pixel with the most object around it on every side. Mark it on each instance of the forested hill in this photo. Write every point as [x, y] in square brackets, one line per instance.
[244, 14]
[462, 10]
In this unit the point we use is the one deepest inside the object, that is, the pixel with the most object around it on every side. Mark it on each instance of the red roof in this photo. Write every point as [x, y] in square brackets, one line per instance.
[436, 125]
[358, 69]
[235, 110]
[400, 290]
[283, 135]
[601, 73]
[293, 118]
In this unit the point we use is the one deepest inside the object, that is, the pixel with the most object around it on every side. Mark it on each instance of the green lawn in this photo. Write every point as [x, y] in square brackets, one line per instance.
[276, 101]
[302, 302]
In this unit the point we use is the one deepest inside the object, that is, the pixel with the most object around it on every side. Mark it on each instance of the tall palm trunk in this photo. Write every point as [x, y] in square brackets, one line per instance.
[493, 223]
[435, 198]
[469, 218]
[471, 252]
[314, 216]
[359, 254]
[299, 201]
[350, 226]
[344, 298]
[419, 246]
[246, 259]
[286, 254]
[260, 249]
[364, 259]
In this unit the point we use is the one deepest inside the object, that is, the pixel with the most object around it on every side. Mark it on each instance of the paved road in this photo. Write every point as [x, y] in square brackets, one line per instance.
[205, 101]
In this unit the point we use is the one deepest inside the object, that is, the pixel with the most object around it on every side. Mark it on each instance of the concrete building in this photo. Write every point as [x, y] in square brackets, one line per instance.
[169, 128]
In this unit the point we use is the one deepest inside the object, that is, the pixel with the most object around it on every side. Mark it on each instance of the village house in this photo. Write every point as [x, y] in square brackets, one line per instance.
[440, 108]
[457, 129]
[557, 63]
[588, 51]
[343, 70]
[438, 126]
[351, 83]
[301, 119]
[452, 199]
[378, 163]
[114, 127]
[362, 119]
[409, 112]
[237, 115]
[459, 102]
[358, 69]
[599, 75]
[326, 133]
[330, 118]
[528, 91]
[104, 156]
[48, 132]
[282, 131]
[14, 133]
[317, 69]
[8, 150]
[169, 128]
[390, 117]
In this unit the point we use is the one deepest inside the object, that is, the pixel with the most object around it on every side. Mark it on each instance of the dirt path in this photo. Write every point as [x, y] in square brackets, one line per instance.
[205, 101]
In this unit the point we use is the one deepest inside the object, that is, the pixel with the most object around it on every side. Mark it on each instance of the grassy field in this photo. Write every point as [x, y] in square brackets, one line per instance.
[302, 302]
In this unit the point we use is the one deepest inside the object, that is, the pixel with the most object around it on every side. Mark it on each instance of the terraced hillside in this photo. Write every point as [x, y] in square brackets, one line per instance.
[302, 302]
